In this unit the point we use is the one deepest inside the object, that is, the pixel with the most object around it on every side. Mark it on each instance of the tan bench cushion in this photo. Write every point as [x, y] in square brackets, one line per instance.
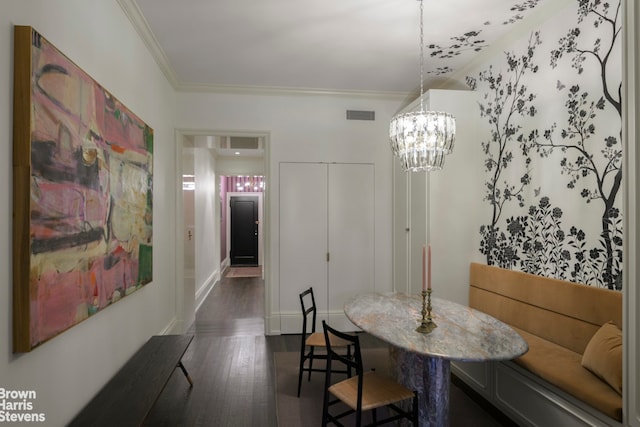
[561, 367]
[566, 313]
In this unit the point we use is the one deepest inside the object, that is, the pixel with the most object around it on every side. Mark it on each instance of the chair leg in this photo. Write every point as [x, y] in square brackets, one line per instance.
[310, 362]
[414, 409]
[300, 372]
[325, 405]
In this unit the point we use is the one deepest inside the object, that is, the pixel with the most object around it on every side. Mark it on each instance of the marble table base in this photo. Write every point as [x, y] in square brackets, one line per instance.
[430, 377]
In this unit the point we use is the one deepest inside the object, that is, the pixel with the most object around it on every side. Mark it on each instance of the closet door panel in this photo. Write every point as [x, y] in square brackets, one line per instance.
[401, 229]
[351, 232]
[418, 228]
[303, 234]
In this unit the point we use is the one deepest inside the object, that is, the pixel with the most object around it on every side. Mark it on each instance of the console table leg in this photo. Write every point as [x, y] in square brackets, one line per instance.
[186, 374]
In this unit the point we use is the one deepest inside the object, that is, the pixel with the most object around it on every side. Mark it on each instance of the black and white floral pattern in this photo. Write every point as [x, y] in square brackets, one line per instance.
[528, 229]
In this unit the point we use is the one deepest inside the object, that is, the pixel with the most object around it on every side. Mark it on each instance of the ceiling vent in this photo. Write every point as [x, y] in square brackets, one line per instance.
[361, 115]
[244, 143]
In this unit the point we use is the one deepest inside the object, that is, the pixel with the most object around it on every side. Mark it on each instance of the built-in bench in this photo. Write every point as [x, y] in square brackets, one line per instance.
[129, 396]
[555, 382]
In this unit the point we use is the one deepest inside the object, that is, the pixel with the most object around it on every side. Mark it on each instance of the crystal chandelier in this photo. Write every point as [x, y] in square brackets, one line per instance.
[422, 139]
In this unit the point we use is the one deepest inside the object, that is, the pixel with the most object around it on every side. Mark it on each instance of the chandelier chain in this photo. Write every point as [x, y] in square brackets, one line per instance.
[421, 56]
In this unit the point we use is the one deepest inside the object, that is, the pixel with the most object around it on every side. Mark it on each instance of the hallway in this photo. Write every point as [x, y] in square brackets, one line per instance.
[230, 360]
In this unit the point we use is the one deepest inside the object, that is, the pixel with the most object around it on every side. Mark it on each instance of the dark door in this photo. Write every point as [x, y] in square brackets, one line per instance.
[244, 230]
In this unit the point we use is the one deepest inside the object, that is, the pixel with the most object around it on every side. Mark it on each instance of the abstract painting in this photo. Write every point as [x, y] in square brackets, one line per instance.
[83, 186]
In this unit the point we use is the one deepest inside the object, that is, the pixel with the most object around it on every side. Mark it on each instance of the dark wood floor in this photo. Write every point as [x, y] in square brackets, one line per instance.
[231, 363]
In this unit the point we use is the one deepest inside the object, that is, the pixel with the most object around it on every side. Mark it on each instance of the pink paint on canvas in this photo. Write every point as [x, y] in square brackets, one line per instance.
[91, 188]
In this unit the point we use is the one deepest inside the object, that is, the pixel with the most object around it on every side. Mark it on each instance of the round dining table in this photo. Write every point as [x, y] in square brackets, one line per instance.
[422, 360]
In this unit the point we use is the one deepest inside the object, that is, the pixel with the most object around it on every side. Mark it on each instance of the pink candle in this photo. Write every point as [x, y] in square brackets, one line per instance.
[429, 269]
[424, 283]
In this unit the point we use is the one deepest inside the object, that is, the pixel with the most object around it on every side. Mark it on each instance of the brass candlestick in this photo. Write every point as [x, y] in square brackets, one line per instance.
[426, 323]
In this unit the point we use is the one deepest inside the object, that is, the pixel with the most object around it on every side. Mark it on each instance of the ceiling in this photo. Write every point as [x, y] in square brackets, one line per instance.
[329, 46]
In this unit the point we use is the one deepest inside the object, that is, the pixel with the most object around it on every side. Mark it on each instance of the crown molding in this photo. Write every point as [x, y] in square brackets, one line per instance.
[137, 19]
[289, 91]
[140, 24]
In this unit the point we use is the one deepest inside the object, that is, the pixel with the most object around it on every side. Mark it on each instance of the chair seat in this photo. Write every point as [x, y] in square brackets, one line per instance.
[316, 339]
[377, 390]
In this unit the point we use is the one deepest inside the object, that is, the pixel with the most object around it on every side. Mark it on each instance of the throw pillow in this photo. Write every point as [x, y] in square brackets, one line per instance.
[603, 355]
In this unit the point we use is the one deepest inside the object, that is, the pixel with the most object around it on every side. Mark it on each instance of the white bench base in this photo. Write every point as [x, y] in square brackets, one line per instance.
[526, 398]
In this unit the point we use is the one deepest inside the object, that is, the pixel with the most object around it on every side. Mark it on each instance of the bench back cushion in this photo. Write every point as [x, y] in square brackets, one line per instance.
[563, 312]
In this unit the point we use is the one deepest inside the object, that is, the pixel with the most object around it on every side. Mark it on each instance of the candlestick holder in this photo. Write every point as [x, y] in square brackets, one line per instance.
[426, 323]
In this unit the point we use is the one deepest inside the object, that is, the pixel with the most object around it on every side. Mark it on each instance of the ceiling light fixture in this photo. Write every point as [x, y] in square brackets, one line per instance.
[422, 139]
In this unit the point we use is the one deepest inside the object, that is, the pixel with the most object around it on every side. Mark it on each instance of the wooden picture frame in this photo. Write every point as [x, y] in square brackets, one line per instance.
[82, 194]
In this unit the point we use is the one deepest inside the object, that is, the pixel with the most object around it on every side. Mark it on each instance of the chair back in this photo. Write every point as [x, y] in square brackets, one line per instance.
[385, 392]
[351, 363]
[308, 304]
[354, 362]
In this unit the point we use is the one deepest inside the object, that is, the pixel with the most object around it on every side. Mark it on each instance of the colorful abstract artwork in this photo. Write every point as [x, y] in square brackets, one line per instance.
[83, 181]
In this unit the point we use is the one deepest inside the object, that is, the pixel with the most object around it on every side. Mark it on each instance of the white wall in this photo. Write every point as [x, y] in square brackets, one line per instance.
[186, 299]
[66, 371]
[207, 198]
[304, 128]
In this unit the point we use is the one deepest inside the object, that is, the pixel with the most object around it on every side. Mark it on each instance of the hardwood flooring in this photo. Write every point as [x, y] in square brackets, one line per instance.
[231, 362]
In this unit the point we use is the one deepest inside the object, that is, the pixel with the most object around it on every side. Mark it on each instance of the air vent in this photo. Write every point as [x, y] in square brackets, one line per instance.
[361, 115]
[244, 143]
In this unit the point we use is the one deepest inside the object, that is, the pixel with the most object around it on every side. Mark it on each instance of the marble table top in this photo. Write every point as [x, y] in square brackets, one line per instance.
[463, 333]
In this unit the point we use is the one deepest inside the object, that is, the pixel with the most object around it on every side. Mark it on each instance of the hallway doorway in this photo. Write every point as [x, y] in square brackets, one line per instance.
[218, 158]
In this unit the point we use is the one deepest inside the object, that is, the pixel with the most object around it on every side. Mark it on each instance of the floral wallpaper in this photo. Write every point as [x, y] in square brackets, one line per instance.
[551, 108]
[474, 40]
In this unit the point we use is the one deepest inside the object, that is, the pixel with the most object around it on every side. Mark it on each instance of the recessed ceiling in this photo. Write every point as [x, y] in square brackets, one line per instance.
[368, 46]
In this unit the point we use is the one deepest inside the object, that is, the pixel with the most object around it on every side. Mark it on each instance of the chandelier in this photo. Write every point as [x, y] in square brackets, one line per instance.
[422, 139]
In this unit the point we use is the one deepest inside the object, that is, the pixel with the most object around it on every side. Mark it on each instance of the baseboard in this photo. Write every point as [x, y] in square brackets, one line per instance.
[203, 291]
[225, 264]
[173, 327]
[272, 325]
[475, 375]
[482, 401]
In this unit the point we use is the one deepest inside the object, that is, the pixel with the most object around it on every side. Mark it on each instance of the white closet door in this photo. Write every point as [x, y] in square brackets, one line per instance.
[351, 235]
[409, 228]
[401, 229]
[303, 238]
[418, 228]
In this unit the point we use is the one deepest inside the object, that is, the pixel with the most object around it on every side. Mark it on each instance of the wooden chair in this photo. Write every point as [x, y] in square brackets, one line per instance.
[365, 391]
[312, 339]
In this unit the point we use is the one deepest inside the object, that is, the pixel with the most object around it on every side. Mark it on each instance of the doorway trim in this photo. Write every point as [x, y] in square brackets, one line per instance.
[182, 319]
